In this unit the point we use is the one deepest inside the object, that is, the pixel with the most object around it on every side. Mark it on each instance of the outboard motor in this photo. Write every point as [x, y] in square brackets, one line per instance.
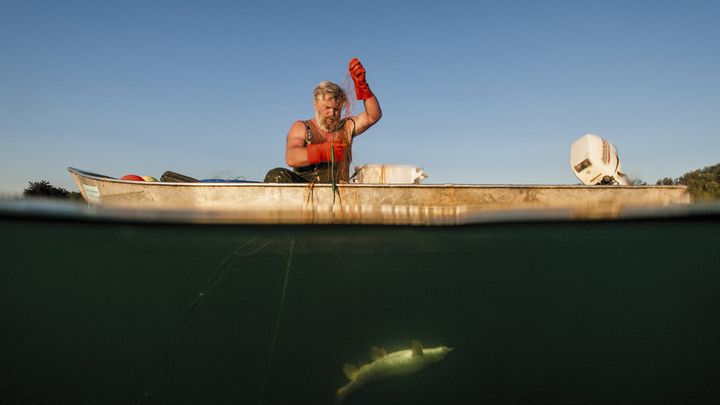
[595, 161]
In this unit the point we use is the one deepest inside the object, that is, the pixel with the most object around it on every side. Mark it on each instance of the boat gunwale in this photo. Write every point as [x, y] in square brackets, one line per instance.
[103, 178]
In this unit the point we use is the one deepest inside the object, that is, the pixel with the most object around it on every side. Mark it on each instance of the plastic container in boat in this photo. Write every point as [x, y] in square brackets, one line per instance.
[388, 174]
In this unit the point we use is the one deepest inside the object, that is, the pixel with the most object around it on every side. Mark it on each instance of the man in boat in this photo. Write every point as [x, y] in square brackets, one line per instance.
[320, 149]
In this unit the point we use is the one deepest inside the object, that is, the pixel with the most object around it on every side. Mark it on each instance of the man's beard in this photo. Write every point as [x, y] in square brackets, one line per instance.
[327, 124]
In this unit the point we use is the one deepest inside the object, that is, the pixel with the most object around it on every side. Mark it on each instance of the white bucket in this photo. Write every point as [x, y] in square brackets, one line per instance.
[388, 174]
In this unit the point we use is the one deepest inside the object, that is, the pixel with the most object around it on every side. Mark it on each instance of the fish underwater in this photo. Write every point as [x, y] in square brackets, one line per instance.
[384, 365]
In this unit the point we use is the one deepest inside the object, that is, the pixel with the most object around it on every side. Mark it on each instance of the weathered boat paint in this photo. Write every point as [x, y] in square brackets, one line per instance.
[372, 203]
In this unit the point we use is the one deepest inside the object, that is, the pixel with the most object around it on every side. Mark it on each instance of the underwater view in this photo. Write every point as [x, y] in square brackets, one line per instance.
[546, 311]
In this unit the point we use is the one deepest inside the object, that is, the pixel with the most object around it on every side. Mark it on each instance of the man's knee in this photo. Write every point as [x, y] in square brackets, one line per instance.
[282, 175]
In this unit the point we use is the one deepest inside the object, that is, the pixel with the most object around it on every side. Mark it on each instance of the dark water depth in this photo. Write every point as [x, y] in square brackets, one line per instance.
[577, 312]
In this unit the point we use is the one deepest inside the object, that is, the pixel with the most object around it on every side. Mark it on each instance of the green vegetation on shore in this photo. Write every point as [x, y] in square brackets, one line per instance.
[703, 184]
[43, 188]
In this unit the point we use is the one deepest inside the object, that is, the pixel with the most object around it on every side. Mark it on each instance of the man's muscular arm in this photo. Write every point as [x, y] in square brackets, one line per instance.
[295, 150]
[372, 113]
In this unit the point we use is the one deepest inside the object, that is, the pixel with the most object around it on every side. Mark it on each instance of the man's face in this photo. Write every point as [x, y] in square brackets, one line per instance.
[327, 112]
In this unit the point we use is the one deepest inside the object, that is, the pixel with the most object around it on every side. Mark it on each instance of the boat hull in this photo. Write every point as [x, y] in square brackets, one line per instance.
[371, 203]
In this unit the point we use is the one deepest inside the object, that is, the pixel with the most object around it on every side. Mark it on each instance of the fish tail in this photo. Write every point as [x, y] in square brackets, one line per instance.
[343, 393]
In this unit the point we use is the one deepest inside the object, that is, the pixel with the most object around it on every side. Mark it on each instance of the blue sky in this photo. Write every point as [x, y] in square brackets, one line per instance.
[473, 92]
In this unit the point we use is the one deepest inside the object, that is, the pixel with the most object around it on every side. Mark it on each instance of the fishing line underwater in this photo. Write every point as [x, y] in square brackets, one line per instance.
[251, 247]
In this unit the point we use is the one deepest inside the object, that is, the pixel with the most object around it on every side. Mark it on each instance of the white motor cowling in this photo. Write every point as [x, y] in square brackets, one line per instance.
[595, 161]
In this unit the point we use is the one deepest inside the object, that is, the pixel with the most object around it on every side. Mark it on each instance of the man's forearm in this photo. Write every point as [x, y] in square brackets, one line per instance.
[372, 109]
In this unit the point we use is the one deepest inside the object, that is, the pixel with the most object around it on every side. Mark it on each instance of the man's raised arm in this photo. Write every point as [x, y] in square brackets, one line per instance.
[372, 113]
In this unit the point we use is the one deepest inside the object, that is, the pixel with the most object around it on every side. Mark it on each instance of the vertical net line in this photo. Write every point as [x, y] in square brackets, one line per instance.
[277, 321]
[221, 277]
[215, 277]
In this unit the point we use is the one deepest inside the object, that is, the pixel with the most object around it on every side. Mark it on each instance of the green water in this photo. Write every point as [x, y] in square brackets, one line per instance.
[569, 312]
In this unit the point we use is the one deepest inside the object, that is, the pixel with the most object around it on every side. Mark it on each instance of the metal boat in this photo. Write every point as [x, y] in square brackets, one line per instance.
[397, 204]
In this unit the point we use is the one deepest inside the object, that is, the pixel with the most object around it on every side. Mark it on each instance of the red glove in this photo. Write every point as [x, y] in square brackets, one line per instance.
[322, 152]
[357, 72]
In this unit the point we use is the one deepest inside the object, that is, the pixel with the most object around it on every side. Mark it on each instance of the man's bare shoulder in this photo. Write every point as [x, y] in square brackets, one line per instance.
[298, 124]
[297, 132]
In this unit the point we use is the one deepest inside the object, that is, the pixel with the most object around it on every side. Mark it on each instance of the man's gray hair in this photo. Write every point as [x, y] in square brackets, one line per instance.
[327, 87]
